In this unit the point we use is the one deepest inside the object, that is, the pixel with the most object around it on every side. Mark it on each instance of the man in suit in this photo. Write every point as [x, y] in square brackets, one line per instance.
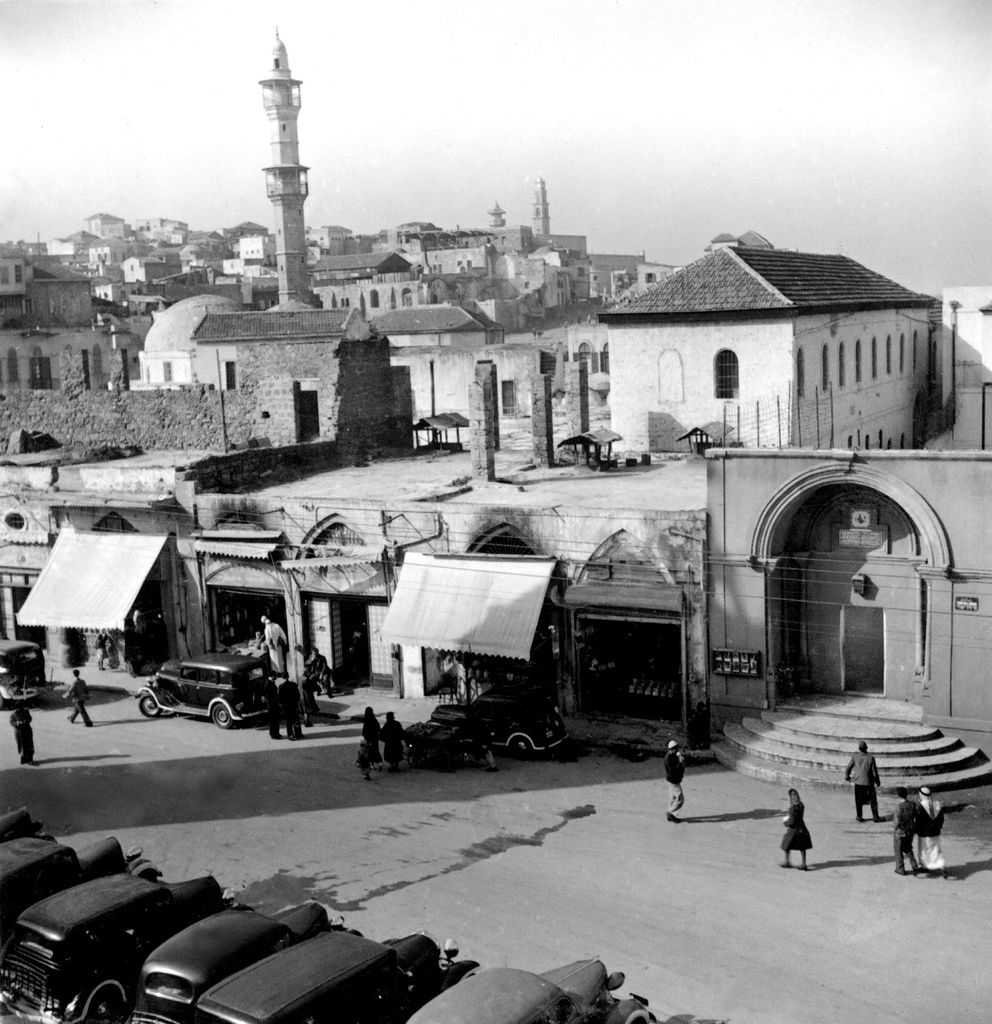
[903, 832]
[863, 771]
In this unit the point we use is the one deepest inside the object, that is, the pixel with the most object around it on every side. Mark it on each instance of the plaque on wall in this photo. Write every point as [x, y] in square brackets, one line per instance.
[864, 540]
[736, 663]
[966, 604]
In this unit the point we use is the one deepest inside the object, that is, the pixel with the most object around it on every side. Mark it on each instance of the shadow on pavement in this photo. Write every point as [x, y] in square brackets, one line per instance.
[755, 815]
[972, 867]
[854, 862]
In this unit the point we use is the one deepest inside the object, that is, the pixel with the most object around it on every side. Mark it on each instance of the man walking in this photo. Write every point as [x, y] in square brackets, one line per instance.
[289, 699]
[903, 832]
[674, 773]
[79, 694]
[864, 772]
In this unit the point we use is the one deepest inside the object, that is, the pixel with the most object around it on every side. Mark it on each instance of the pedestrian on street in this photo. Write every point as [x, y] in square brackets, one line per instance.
[102, 645]
[20, 720]
[903, 831]
[797, 835]
[277, 644]
[370, 733]
[929, 824]
[674, 773]
[363, 762]
[392, 742]
[79, 694]
[272, 710]
[289, 701]
[863, 771]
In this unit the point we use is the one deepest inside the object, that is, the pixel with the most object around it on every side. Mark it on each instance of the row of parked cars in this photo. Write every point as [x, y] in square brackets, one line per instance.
[115, 948]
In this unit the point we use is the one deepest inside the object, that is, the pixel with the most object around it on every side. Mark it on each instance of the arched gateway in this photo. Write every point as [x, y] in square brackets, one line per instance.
[847, 552]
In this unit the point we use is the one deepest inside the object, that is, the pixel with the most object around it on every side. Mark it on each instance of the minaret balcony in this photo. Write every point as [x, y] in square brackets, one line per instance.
[286, 181]
[276, 94]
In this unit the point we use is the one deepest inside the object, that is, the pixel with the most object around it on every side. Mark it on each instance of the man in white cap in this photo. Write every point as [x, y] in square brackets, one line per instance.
[929, 824]
[674, 773]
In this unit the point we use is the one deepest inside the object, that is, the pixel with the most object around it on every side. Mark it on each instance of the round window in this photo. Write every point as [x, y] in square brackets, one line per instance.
[14, 521]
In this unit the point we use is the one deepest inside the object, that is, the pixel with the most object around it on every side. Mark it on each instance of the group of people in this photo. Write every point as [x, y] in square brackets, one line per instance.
[390, 734]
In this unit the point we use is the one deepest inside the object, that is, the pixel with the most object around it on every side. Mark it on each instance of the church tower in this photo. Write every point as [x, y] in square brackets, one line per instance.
[286, 179]
[542, 216]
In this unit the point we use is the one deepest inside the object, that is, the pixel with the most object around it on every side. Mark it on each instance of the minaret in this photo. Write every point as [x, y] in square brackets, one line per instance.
[542, 216]
[286, 179]
[498, 217]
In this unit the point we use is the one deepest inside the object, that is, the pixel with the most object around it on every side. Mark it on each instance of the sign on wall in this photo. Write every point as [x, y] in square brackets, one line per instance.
[966, 604]
[736, 663]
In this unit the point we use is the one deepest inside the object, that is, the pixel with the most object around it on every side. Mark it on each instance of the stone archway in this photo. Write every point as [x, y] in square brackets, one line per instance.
[847, 550]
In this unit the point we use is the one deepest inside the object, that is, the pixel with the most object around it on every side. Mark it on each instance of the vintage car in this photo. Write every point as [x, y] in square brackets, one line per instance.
[18, 824]
[338, 976]
[76, 955]
[34, 868]
[226, 688]
[177, 973]
[578, 993]
[22, 672]
[521, 724]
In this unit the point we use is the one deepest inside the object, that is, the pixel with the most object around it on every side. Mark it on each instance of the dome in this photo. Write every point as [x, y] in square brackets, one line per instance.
[280, 60]
[172, 330]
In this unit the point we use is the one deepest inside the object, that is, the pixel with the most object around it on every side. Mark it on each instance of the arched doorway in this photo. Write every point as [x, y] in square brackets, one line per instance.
[843, 550]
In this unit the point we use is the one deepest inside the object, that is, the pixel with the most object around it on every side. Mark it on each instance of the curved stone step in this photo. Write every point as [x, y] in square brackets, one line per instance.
[979, 774]
[829, 744]
[895, 764]
[850, 729]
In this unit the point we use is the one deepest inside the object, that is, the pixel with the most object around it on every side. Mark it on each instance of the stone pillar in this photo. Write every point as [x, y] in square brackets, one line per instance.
[481, 398]
[494, 426]
[120, 372]
[542, 420]
[578, 397]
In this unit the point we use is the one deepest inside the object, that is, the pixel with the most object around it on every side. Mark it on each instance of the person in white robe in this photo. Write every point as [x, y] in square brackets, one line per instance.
[929, 824]
[277, 643]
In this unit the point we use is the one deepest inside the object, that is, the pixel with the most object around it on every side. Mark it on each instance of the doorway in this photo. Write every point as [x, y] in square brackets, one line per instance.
[307, 416]
[863, 643]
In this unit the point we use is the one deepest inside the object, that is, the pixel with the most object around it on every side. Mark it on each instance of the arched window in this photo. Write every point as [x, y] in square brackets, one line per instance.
[96, 366]
[880, 439]
[825, 369]
[13, 373]
[914, 351]
[841, 371]
[902, 353]
[407, 297]
[604, 358]
[857, 361]
[114, 522]
[726, 375]
[874, 359]
[800, 373]
[888, 354]
[373, 299]
[338, 538]
[850, 441]
[589, 356]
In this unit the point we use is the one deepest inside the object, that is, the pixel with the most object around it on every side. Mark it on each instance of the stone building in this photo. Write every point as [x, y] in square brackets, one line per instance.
[965, 349]
[779, 348]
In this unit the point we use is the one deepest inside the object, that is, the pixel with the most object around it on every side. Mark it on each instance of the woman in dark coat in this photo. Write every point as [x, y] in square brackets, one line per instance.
[370, 733]
[392, 742]
[797, 835]
[20, 720]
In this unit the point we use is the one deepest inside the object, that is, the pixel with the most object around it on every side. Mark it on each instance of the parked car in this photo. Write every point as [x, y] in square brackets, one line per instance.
[578, 993]
[226, 688]
[33, 868]
[76, 955]
[22, 672]
[19, 824]
[179, 971]
[523, 724]
[337, 976]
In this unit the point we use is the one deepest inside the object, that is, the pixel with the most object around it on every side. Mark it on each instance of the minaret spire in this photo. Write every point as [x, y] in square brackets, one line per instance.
[542, 214]
[286, 179]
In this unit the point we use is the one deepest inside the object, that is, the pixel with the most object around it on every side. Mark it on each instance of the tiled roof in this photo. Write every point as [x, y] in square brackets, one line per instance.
[56, 272]
[357, 261]
[267, 326]
[426, 320]
[109, 217]
[747, 280]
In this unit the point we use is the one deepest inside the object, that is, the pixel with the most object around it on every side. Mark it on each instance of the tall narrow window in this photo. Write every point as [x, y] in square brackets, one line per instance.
[888, 354]
[857, 361]
[825, 369]
[902, 353]
[914, 351]
[726, 377]
[604, 359]
[841, 372]
[874, 359]
[800, 373]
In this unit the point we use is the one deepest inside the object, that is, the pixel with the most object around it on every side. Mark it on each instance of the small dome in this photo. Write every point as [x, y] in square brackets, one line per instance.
[280, 59]
[172, 330]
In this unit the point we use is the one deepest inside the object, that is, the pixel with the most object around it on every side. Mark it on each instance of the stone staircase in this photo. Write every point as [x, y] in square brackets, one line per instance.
[808, 743]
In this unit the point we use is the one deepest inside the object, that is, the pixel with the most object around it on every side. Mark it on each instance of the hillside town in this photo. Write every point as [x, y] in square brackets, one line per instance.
[592, 520]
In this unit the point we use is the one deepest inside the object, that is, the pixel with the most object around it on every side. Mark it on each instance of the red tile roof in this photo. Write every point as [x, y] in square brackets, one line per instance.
[270, 325]
[774, 280]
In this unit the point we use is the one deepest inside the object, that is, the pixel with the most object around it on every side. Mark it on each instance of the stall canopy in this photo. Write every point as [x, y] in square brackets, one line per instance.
[479, 603]
[91, 580]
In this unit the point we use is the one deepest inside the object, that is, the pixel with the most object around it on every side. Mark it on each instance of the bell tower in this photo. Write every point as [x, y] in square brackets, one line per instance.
[286, 179]
[542, 216]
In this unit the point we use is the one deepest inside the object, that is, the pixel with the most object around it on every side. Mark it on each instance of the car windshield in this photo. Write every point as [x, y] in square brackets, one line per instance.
[169, 986]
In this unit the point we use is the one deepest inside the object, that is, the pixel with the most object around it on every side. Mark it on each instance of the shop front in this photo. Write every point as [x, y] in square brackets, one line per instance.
[467, 624]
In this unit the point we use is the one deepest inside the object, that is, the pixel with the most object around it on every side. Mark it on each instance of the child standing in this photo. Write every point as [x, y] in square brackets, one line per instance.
[20, 720]
[363, 762]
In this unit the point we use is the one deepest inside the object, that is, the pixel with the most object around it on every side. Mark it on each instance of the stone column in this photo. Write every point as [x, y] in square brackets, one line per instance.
[494, 426]
[120, 372]
[578, 397]
[481, 398]
[542, 422]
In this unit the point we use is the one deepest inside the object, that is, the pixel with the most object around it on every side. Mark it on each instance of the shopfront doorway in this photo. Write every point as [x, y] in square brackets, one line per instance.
[346, 632]
[237, 614]
[863, 641]
[630, 665]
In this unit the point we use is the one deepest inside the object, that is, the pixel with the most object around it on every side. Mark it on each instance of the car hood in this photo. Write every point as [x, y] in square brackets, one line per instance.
[583, 980]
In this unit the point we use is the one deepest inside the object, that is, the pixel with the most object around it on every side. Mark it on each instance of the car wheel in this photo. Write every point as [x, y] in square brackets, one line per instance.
[107, 1006]
[221, 717]
[148, 706]
[521, 746]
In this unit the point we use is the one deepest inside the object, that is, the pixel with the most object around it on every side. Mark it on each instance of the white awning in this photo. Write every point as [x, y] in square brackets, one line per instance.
[232, 549]
[480, 603]
[90, 580]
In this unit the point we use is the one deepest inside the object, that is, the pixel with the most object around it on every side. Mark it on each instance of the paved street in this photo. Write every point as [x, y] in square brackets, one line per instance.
[541, 863]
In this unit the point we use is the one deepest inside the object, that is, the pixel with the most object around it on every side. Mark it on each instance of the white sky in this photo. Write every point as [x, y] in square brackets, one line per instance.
[862, 127]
